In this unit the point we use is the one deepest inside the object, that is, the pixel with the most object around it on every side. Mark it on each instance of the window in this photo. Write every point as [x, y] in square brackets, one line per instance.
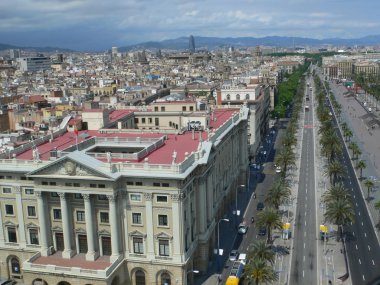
[162, 109]
[247, 96]
[165, 184]
[156, 109]
[92, 185]
[228, 97]
[33, 235]
[52, 183]
[78, 196]
[129, 182]
[165, 279]
[136, 218]
[237, 96]
[7, 190]
[101, 186]
[12, 236]
[44, 183]
[136, 120]
[162, 199]
[183, 108]
[135, 197]
[9, 210]
[57, 214]
[104, 218]
[156, 184]
[156, 121]
[139, 184]
[80, 216]
[102, 197]
[68, 184]
[138, 246]
[76, 184]
[29, 191]
[162, 220]
[31, 211]
[150, 120]
[163, 245]
[191, 108]
[143, 120]
[54, 194]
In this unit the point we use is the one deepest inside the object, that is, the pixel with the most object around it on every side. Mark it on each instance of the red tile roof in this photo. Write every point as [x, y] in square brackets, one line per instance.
[180, 144]
[118, 114]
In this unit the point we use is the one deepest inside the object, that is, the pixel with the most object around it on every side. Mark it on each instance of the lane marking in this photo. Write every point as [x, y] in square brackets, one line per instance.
[304, 245]
[360, 261]
[373, 262]
[353, 233]
[359, 213]
[305, 223]
[365, 234]
[303, 274]
[356, 246]
[363, 278]
[362, 223]
[303, 258]
[369, 248]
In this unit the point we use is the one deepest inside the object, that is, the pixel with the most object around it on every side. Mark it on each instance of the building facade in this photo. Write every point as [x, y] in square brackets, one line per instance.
[119, 207]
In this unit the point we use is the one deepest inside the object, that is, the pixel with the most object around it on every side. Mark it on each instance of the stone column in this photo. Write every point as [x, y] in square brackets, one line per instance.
[202, 202]
[149, 228]
[67, 231]
[20, 217]
[43, 221]
[177, 226]
[114, 228]
[90, 222]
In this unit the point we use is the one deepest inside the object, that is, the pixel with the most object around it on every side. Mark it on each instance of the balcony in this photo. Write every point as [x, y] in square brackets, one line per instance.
[75, 266]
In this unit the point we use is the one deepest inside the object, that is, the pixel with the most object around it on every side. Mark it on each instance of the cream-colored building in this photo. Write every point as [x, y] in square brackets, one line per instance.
[117, 207]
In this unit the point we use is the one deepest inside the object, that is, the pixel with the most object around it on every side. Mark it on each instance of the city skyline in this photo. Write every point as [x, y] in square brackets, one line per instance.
[97, 25]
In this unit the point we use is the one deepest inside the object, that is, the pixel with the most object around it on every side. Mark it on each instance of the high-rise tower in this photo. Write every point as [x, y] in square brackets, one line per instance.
[191, 44]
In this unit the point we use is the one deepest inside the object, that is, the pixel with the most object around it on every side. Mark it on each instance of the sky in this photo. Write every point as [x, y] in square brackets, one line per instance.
[89, 25]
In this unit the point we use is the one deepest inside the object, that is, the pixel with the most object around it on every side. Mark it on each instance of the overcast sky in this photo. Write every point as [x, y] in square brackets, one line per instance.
[98, 25]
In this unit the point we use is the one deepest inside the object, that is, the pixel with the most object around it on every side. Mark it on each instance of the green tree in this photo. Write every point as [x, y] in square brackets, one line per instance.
[360, 166]
[340, 212]
[354, 148]
[285, 159]
[335, 170]
[369, 184]
[260, 272]
[347, 134]
[270, 219]
[335, 192]
[261, 250]
[278, 193]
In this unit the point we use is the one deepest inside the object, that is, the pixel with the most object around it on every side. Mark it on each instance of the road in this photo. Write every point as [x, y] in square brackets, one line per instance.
[362, 245]
[304, 260]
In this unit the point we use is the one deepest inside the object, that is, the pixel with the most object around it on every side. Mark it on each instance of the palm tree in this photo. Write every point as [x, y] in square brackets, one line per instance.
[289, 139]
[260, 272]
[334, 193]
[347, 134]
[278, 193]
[261, 250]
[369, 184]
[270, 219]
[357, 152]
[353, 147]
[285, 159]
[360, 166]
[377, 207]
[334, 170]
[340, 212]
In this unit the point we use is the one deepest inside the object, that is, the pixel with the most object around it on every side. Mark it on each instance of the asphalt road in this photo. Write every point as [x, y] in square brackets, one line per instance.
[362, 246]
[304, 260]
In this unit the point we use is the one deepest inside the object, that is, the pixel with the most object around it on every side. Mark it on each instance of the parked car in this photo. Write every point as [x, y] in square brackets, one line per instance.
[242, 258]
[242, 228]
[278, 169]
[233, 255]
[262, 231]
[260, 206]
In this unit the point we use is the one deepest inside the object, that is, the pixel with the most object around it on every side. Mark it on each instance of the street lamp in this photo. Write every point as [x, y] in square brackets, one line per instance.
[217, 256]
[191, 271]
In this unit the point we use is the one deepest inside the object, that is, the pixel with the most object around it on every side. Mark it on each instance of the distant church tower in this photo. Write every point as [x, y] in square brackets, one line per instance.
[191, 44]
[258, 56]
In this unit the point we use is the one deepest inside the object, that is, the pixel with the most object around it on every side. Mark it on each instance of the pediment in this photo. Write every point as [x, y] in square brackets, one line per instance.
[31, 225]
[104, 233]
[68, 167]
[80, 231]
[137, 234]
[10, 224]
[163, 235]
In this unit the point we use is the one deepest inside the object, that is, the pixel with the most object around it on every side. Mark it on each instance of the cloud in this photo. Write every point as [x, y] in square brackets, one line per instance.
[115, 22]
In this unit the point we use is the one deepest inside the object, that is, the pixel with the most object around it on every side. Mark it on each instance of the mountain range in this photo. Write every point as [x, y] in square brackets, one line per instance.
[182, 43]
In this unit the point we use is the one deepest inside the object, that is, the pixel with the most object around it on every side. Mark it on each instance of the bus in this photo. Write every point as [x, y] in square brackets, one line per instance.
[236, 273]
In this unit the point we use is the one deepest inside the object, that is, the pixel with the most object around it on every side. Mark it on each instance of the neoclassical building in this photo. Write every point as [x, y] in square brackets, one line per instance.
[120, 206]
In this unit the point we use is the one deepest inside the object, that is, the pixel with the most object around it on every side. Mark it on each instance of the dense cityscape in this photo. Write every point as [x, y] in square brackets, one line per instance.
[232, 165]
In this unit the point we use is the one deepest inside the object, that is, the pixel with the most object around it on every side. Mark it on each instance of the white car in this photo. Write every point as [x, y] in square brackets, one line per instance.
[242, 228]
[233, 255]
[278, 169]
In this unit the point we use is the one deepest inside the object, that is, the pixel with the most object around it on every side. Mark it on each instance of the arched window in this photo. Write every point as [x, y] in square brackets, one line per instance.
[237, 96]
[165, 279]
[246, 96]
[15, 265]
[228, 97]
[140, 277]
